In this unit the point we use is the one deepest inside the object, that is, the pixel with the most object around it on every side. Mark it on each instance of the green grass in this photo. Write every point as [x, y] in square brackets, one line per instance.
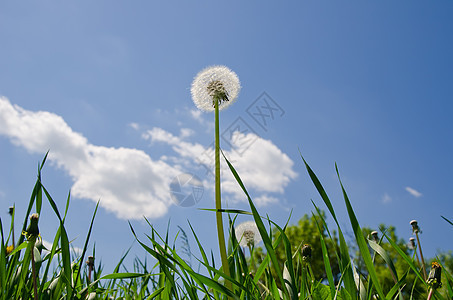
[169, 274]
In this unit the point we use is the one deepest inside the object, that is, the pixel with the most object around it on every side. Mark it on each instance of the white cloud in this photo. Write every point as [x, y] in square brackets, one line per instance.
[386, 198]
[197, 115]
[263, 167]
[186, 132]
[413, 192]
[134, 125]
[74, 250]
[127, 181]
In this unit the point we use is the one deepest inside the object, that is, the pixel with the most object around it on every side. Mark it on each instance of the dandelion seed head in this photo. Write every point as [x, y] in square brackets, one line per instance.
[215, 82]
[247, 234]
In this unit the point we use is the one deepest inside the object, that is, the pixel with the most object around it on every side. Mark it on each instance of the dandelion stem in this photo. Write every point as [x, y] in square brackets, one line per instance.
[431, 291]
[33, 269]
[421, 256]
[218, 203]
[418, 259]
[252, 263]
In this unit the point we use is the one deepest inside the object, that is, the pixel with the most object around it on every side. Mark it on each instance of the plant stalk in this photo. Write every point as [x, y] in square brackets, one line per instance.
[33, 269]
[218, 202]
[421, 256]
[431, 291]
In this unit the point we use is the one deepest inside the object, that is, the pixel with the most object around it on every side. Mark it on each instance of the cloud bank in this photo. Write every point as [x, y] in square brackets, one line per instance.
[128, 181]
[263, 167]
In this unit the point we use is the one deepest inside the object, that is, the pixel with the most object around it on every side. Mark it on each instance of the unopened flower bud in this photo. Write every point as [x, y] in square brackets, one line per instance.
[11, 211]
[415, 227]
[32, 229]
[434, 277]
[374, 235]
[90, 262]
[306, 252]
[412, 243]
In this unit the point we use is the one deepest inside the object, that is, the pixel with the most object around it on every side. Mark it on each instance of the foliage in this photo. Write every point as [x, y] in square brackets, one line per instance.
[306, 232]
[283, 268]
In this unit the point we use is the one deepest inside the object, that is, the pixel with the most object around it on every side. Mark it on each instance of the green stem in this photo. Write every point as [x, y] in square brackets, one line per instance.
[421, 256]
[33, 269]
[218, 203]
[252, 263]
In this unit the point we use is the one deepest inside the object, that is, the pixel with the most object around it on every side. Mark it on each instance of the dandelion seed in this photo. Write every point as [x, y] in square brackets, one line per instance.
[215, 83]
[247, 234]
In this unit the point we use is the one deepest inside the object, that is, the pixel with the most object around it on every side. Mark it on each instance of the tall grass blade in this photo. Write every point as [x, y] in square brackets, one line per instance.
[259, 223]
[361, 241]
[345, 261]
[325, 256]
[447, 220]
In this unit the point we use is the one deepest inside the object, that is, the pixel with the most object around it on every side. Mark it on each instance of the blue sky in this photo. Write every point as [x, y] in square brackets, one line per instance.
[105, 86]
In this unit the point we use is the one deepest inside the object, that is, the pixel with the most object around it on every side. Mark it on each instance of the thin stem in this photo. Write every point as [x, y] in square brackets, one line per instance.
[90, 269]
[431, 291]
[218, 202]
[33, 268]
[252, 263]
[418, 259]
[421, 256]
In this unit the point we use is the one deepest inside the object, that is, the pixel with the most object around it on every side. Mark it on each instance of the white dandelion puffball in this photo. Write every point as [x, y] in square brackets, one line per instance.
[215, 81]
[247, 234]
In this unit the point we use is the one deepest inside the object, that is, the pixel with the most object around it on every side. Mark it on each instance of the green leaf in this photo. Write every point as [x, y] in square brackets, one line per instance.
[322, 292]
[361, 241]
[259, 223]
[344, 261]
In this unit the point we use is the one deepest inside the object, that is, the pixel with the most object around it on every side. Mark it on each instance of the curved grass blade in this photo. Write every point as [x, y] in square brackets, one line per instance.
[344, 261]
[325, 256]
[361, 240]
[447, 220]
[259, 223]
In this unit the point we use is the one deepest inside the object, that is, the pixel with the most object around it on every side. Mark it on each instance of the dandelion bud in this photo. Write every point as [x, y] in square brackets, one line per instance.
[90, 261]
[374, 235]
[434, 277]
[306, 252]
[32, 230]
[415, 227]
[11, 210]
[412, 243]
